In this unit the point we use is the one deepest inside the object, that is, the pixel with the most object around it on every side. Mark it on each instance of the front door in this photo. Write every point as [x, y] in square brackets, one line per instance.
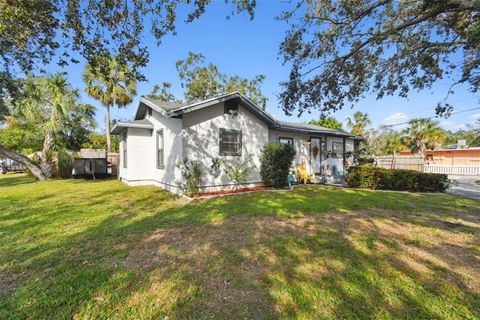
[316, 155]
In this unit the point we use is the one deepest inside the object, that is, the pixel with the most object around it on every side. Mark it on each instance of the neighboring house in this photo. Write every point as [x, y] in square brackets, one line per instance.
[229, 128]
[451, 157]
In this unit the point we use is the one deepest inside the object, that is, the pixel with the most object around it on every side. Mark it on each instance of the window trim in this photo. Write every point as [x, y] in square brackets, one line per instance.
[226, 153]
[287, 138]
[158, 133]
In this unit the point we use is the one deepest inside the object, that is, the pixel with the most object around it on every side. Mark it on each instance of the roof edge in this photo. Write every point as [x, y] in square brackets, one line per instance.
[208, 102]
[121, 126]
[312, 131]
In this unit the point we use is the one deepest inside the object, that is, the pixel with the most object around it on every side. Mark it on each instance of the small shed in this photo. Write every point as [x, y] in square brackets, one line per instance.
[92, 164]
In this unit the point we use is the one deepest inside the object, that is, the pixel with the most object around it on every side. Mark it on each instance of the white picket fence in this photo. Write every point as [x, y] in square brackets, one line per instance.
[454, 170]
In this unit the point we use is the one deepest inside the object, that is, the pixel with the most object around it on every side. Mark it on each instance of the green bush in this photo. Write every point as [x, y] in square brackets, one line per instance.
[64, 164]
[394, 179]
[191, 174]
[365, 160]
[276, 161]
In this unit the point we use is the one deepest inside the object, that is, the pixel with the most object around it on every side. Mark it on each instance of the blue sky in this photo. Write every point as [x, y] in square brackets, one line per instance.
[245, 47]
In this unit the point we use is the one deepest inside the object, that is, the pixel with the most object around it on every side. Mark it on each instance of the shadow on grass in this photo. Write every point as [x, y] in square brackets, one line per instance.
[14, 179]
[102, 250]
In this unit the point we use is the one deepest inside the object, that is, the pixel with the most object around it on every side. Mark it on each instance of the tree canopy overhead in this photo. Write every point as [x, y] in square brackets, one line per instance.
[38, 32]
[34, 32]
[203, 80]
[341, 50]
[327, 122]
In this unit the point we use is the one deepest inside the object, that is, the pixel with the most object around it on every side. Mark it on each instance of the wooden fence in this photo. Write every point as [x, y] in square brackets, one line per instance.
[454, 170]
[403, 162]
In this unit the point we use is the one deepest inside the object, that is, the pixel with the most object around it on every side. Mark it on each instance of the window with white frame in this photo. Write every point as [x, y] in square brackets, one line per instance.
[230, 142]
[160, 149]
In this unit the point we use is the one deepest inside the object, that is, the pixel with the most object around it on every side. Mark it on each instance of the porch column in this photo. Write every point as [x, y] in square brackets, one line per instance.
[344, 155]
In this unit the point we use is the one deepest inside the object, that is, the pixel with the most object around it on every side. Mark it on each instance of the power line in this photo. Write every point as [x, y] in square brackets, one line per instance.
[455, 112]
[430, 108]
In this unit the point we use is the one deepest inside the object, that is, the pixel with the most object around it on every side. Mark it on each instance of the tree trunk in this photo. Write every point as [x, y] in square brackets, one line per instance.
[46, 161]
[20, 158]
[107, 128]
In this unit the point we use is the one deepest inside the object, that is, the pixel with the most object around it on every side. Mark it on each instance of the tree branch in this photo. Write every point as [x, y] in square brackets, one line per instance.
[382, 36]
[34, 168]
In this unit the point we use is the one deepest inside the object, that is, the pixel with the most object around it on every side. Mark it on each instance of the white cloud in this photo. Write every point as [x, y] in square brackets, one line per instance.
[450, 125]
[395, 118]
[475, 116]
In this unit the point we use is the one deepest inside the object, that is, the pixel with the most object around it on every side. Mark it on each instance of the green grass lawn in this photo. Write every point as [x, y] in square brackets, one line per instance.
[102, 250]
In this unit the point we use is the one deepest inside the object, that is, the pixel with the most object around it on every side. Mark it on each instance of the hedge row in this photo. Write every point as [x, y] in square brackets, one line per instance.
[394, 179]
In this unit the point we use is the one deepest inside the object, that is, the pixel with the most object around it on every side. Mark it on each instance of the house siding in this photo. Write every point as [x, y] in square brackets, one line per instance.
[201, 130]
[142, 154]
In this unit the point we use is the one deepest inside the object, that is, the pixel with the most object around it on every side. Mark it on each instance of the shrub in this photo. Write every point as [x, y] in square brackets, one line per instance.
[240, 171]
[365, 160]
[64, 164]
[276, 160]
[394, 179]
[191, 174]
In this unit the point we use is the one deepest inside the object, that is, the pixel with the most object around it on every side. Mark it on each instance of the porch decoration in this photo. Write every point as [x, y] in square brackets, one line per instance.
[303, 175]
[291, 179]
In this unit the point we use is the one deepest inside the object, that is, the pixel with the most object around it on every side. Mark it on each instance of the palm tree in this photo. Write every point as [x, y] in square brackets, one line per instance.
[423, 134]
[393, 142]
[48, 105]
[358, 123]
[112, 83]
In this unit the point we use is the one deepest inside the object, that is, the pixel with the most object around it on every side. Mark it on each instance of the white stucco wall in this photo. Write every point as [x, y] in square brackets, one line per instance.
[142, 154]
[201, 130]
[138, 154]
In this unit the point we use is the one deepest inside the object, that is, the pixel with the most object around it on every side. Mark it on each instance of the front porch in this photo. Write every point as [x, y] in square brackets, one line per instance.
[322, 153]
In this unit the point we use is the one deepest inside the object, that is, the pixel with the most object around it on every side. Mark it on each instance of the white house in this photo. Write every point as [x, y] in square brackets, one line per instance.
[229, 127]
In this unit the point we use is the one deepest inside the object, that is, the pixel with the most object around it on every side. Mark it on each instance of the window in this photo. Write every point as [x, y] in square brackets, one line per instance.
[149, 111]
[284, 140]
[230, 142]
[125, 150]
[337, 149]
[160, 145]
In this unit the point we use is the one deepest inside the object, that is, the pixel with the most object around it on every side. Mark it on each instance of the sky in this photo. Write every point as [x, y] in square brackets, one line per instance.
[250, 47]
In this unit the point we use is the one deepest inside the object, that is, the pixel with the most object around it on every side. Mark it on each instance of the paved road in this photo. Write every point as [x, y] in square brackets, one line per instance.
[464, 186]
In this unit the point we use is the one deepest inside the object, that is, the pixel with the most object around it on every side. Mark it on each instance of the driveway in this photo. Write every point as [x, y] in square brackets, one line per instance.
[464, 186]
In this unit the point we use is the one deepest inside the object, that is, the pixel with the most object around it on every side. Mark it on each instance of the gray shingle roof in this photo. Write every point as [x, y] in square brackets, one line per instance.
[166, 105]
[142, 121]
[305, 127]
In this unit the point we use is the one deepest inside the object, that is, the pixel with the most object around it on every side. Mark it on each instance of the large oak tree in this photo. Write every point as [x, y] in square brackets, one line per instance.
[340, 51]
